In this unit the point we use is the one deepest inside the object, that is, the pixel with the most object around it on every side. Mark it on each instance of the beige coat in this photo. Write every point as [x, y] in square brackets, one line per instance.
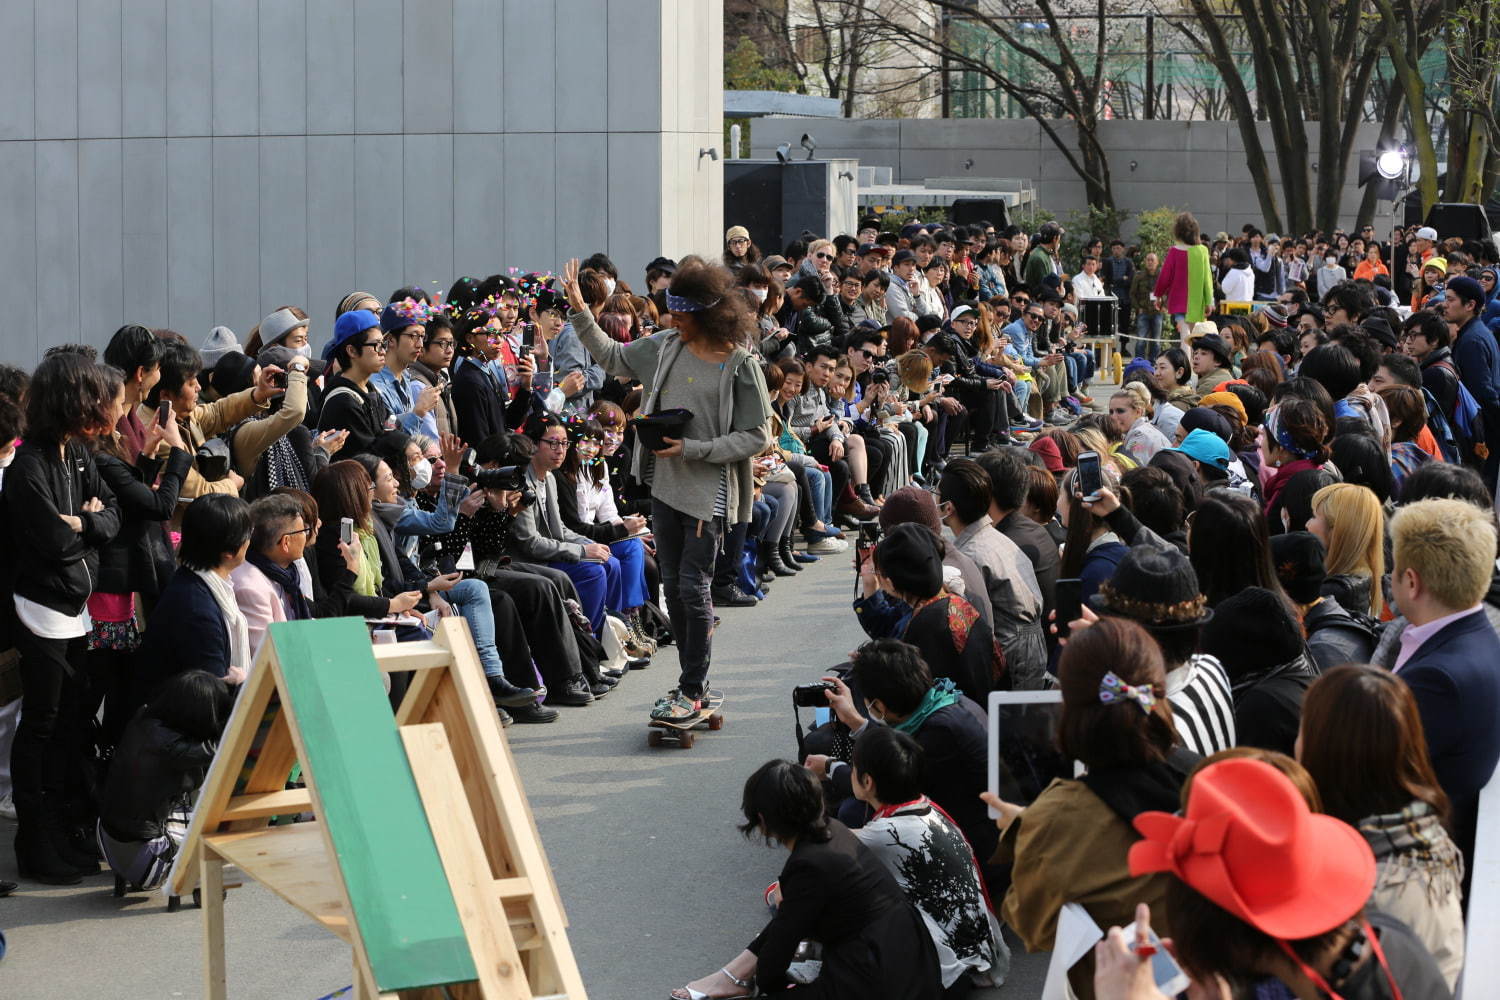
[1069, 847]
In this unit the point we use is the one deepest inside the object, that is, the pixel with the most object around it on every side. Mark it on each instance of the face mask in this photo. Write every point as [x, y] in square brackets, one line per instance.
[609, 286]
[10, 457]
[759, 293]
[873, 714]
[305, 350]
[421, 474]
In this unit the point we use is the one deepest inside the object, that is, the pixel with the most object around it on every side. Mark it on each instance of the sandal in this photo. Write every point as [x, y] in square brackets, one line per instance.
[688, 993]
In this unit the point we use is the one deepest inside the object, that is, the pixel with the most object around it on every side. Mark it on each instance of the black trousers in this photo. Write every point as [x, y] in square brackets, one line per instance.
[544, 624]
[53, 737]
[837, 469]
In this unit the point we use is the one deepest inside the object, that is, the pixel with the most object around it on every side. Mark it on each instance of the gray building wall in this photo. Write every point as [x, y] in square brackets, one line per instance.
[1193, 165]
[186, 163]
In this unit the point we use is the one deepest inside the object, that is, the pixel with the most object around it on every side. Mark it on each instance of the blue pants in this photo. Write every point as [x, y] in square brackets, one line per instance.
[598, 586]
[632, 557]
[1148, 335]
[471, 599]
[1022, 388]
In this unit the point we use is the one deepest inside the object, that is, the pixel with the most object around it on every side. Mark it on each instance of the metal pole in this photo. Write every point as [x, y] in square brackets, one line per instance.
[1150, 67]
[944, 83]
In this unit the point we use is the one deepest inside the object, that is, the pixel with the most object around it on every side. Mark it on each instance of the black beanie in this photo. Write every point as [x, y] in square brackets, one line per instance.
[1251, 632]
[234, 372]
[908, 556]
[1298, 556]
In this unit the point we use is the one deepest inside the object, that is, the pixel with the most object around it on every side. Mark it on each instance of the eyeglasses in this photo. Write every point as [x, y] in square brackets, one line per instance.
[301, 531]
[561, 444]
[378, 347]
[824, 256]
[446, 344]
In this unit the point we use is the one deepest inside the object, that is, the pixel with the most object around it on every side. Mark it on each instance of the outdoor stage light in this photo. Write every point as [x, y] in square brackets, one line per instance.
[784, 152]
[809, 144]
[1391, 163]
[709, 151]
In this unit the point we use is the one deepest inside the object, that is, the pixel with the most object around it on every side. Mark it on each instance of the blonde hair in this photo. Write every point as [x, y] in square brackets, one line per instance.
[915, 369]
[1356, 534]
[1451, 546]
[817, 245]
[1138, 394]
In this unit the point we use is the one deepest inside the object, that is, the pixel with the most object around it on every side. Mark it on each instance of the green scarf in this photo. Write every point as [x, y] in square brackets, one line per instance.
[942, 694]
[368, 580]
[1200, 284]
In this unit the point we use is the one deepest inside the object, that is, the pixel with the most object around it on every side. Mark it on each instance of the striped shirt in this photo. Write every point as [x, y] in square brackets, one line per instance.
[1202, 706]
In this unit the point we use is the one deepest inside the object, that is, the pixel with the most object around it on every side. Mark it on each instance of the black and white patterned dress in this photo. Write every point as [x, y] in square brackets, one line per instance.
[935, 866]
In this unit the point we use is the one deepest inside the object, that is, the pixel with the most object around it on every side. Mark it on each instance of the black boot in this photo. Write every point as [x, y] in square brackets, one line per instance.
[771, 556]
[576, 693]
[507, 695]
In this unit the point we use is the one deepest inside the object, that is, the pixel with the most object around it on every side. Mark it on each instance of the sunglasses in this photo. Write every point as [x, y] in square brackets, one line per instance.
[1034, 315]
[824, 256]
[868, 354]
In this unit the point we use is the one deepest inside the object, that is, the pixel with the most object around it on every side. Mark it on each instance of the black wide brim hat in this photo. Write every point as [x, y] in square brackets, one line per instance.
[1156, 588]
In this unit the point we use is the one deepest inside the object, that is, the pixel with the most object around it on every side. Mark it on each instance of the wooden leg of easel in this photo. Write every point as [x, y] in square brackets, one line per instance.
[211, 884]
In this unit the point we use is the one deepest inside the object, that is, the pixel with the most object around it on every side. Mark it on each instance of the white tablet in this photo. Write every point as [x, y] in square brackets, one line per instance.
[1023, 754]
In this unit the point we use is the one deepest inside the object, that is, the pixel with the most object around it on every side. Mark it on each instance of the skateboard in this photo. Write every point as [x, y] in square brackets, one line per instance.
[661, 731]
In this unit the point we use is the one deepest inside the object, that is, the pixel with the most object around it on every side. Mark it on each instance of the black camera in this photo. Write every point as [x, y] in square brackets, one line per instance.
[811, 695]
[509, 477]
[869, 534]
[880, 376]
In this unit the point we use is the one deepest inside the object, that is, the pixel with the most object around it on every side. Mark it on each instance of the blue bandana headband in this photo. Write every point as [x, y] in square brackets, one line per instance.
[682, 304]
[1284, 438]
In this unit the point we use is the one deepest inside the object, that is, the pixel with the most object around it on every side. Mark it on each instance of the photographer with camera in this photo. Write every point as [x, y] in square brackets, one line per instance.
[702, 480]
[899, 691]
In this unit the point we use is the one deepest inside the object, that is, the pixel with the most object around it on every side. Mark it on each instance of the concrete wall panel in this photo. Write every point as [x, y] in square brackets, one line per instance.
[190, 237]
[143, 72]
[189, 53]
[187, 163]
[56, 96]
[99, 68]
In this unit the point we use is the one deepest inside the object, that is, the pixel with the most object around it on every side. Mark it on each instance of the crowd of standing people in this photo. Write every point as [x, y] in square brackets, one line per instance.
[1261, 566]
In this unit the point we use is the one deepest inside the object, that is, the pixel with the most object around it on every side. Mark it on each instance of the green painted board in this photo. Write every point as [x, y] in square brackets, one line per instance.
[353, 754]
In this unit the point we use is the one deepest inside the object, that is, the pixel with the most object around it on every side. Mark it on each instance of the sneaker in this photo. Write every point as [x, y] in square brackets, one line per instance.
[828, 546]
[7, 807]
[1060, 417]
[676, 707]
[577, 693]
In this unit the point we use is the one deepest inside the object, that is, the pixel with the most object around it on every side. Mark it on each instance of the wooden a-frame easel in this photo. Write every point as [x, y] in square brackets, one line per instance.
[423, 852]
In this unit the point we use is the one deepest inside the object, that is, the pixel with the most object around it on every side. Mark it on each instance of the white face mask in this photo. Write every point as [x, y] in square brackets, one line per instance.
[305, 350]
[609, 286]
[873, 714]
[421, 474]
[759, 293]
[10, 457]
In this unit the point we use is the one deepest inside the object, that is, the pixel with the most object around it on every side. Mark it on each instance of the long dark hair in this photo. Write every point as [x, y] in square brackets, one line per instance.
[1230, 547]
[1362, 741]
[343, 490]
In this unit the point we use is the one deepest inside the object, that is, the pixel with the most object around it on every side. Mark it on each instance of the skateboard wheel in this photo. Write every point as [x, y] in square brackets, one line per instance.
[653, 738]
[716, 722]
[686, 740]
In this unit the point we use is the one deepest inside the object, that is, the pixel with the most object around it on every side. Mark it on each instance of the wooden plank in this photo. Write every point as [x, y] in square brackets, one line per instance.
[404, 919]
[419, 693]
[421, 655]
[495, 956]
[211, 881]
[513, 888]
[482, 753]
[263, 805]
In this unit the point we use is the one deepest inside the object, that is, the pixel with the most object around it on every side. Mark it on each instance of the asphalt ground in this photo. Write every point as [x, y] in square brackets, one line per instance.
[658, 885]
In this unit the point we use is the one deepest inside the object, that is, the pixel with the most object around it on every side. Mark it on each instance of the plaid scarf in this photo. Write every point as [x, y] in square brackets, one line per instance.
[1413, 842]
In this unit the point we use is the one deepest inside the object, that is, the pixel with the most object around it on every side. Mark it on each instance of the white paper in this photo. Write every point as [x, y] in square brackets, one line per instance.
[1076, 934]
[466, 560]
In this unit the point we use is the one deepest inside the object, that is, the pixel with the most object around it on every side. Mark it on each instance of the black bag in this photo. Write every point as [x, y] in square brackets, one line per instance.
[212, 459]
[650, 430]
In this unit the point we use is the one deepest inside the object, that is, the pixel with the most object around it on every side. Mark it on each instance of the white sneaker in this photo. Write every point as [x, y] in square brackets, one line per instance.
[828, 546]
[7, 807]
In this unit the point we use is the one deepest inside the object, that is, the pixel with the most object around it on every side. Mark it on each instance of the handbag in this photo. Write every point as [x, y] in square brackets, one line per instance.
[651, 430]
[212, 459]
